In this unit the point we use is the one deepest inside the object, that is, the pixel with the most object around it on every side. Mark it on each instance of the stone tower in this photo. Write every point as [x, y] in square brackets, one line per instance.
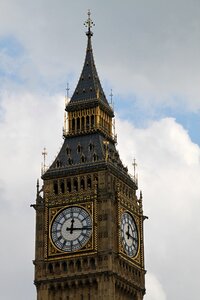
[89, 220]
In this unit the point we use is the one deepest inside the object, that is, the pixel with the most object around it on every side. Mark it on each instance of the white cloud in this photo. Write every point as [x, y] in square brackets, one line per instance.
[150, 50]
[169, 175]
[154, 288]
[168, 166]
[29, 124]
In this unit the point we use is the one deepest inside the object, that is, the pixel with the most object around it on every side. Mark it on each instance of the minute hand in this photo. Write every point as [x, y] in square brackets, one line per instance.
[79, 228]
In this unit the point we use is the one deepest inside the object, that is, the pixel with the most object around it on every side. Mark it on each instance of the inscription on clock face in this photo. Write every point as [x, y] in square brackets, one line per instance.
[129, 234]
[71, 229]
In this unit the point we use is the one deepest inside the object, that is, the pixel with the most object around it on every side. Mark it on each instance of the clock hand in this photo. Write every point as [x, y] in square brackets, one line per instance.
[133, 238]
[78, 228]
[128, 232]
[71, 228]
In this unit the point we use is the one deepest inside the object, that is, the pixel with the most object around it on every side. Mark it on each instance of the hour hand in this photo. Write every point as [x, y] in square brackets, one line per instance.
[71, 228]
[128, 232]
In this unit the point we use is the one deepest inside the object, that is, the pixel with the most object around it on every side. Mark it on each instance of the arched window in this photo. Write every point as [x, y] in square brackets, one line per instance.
[69, 187]
[75, 184]
[92, 121]
[78, 124]
[70, 161]
[64, 266]
[50, 268]
[62, 186]
[58, 164]
[68, 150]
[82, 183]
[87, 122]
[95, 157]
[83, 159]
[82, 123]
[73, 124]
[91, 146]
[79, 148]
[89, 182]
[55, 187]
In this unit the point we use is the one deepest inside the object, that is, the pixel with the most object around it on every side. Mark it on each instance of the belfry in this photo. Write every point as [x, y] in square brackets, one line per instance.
[89, 221]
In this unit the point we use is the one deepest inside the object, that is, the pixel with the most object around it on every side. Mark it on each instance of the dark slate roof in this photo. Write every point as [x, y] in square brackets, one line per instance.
[89, 91]
[79, 152]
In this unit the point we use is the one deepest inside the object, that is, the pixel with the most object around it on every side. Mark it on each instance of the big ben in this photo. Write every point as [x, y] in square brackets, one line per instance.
[89, 220]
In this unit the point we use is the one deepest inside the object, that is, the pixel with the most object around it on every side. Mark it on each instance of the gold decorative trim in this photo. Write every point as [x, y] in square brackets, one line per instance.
[137, 258]
[52, 250]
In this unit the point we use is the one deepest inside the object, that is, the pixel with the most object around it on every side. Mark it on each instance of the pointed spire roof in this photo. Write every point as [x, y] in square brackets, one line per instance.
[89, 92]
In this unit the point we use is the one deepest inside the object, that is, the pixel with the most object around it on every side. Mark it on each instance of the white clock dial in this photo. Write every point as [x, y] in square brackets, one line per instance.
[71, 229]
[129, 234]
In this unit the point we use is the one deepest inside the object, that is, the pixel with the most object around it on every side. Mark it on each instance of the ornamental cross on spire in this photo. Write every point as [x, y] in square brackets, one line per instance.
[89, 24]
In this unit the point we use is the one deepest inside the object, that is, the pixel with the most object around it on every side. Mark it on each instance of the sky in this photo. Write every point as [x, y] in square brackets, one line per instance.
[147, 52]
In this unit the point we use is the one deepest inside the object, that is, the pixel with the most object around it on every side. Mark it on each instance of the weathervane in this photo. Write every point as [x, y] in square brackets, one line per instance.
[89, 24]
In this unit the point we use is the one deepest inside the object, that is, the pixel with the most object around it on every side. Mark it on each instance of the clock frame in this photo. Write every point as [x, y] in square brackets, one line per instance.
[136, 257]
[53, 249]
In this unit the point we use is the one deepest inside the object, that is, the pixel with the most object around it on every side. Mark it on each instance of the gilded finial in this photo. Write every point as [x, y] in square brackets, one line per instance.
[89, 24]
[111, 96]
[44, 167]
[134, 167]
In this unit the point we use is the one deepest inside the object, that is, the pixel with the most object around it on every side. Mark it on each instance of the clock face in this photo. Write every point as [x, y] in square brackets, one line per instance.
[71, 229]
[129, 234]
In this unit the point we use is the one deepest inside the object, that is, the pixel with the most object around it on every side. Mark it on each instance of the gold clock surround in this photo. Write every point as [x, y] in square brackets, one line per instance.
[90, 246]
[136, 258]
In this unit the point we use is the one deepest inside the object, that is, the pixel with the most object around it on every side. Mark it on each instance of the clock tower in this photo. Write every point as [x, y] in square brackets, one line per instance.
[89, 220]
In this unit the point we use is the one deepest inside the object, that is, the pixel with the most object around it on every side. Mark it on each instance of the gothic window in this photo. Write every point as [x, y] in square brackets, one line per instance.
[83, 158]
[57, 267]
[78, 124]
[50, 268]
[73, 124]
[82, 123]
[89, 182]
[62, 186]
[58, 164]
[68, 150]
[78, 265]
[82, 183]
[71, 266]
[55, 187]
[75, 184]
[87, 122]
[95, 157]
[91, 146]
[92, 121]
[64, 266]
[79, 148]
[69, 187]
[92, 263]
[70, 161]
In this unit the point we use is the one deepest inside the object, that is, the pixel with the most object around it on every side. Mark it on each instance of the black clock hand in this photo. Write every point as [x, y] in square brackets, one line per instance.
[71, 227]
[128, 232]
[78, 228]
[133, 238]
